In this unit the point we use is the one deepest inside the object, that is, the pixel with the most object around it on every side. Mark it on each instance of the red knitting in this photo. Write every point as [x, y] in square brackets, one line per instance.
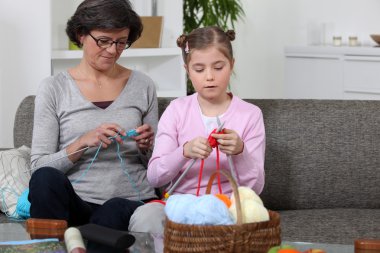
[214, 144]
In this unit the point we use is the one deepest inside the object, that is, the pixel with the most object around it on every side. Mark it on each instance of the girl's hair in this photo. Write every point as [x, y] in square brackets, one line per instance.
[103, 15]
[202, 38]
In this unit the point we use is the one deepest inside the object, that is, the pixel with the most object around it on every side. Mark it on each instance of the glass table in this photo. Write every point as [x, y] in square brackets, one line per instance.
[329, 248]
[149, 243]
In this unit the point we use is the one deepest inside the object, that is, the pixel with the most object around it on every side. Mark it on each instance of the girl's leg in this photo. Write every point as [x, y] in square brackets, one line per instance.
[149, 218]
[52, 196]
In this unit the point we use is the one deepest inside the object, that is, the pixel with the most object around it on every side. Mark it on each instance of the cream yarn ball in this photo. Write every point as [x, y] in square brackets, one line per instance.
[247, 193]
[252, 206]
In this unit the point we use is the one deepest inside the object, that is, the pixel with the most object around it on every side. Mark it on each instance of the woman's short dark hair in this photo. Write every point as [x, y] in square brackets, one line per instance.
[103, 15]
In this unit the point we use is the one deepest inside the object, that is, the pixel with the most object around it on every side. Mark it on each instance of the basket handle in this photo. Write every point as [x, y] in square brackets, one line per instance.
[234, 190]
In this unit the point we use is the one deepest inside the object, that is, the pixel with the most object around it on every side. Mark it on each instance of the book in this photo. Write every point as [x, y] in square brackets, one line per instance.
[33, 246]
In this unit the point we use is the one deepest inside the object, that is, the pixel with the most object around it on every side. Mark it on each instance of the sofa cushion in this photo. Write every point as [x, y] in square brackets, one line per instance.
[14, 177]
[338, 226]
[23, 125]
[321, 153]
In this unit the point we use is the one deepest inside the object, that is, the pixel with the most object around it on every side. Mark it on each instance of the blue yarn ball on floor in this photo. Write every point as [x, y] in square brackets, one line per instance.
[23, 205]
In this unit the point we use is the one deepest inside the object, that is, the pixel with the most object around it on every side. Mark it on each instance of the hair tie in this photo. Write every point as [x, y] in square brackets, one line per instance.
[187, 50]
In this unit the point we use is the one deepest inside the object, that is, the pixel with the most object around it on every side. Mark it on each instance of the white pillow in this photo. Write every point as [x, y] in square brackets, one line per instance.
[14, 177]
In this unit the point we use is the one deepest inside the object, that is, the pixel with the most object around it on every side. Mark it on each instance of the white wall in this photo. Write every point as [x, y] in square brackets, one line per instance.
[22, 49]
[270, 25]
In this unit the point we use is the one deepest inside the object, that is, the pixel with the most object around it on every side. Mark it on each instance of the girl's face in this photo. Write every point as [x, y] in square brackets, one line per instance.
[209, 71]
[102, 58]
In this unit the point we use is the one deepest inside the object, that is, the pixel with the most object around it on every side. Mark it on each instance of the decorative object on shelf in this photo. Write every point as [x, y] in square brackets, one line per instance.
[353, 41]
[152, 33]
[337, 41]
[376, 38]
[199, 13]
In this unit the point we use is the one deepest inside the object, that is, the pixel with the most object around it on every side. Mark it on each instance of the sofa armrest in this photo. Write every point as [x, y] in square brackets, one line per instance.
[3, 149]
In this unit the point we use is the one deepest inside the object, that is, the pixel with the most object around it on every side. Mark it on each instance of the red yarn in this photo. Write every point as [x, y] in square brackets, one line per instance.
[214, 144]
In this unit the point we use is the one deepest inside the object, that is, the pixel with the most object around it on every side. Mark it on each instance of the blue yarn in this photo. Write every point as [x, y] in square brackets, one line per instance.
[89, 166]
[23, 205]
[204, 210]
[122, 163]
[178, 205]
[130, 133]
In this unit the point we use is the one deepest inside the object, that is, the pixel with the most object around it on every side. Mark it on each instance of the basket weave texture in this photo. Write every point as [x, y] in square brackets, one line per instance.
[257, 237]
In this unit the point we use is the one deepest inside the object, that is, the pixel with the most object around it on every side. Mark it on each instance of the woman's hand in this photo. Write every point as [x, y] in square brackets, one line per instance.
[102, 135]
[93, 138]
[230, 142]
[197, 148]
[145, 138]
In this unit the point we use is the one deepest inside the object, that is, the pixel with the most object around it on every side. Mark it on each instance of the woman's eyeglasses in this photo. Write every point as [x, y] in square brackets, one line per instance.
[106, 43]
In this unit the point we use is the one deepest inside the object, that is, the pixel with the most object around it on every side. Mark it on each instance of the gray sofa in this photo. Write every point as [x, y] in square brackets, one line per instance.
[322, 166]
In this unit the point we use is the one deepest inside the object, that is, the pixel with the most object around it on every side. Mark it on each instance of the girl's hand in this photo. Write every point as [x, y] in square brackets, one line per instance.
[197, 148]
[230, 142]
[102, 135]
[145, 138]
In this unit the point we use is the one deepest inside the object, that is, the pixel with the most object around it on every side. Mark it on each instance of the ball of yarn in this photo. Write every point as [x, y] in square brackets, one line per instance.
[178, 205]
[224, 198]
[247, 193]
[251, 211]
[23, 205]
[209, 210]
[204, 210]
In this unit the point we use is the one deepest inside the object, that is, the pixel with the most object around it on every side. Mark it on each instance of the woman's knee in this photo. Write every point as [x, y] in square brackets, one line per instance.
[46, 180]
[46, 175]
[115, 213]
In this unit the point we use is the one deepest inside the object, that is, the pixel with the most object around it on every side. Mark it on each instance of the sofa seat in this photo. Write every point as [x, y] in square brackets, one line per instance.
[321, 225]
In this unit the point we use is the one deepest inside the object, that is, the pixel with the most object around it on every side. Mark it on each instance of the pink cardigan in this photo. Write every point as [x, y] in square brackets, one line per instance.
[182, 121]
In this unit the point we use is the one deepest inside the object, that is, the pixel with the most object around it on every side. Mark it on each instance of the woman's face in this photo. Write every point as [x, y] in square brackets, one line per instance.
[100, 58]
[209, 71]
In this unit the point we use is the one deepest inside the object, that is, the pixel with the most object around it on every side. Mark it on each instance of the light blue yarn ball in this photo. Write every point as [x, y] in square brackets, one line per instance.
[204, 210]
[209, 210]
[23, 205]
[177, 205]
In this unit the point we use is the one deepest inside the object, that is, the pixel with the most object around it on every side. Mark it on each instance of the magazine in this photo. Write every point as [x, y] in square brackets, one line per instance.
[33, 246]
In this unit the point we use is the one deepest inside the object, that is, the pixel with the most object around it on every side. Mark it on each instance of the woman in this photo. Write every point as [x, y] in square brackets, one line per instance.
[87, 167]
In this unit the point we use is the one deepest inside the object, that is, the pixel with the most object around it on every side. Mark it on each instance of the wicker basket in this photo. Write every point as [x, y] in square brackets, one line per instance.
[255, 237]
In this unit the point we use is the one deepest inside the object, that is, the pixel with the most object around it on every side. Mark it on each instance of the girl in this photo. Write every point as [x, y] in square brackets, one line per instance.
[187, 122]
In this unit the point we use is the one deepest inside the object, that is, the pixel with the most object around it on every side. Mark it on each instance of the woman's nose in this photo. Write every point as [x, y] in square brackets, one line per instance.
[113, 48]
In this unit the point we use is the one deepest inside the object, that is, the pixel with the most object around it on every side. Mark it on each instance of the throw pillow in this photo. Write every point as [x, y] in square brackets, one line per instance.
[14, 178]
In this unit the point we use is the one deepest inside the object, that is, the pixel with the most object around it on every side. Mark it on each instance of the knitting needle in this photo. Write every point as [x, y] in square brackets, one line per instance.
[229, 158]
[59, 158]
[180, 178]
[188, 168]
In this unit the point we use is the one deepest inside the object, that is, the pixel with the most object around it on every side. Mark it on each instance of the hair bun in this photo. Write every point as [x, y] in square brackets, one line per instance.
[230, 34]
[181, 41]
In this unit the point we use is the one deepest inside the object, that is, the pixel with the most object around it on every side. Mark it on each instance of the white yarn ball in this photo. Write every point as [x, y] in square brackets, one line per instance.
[246, 193]
[252, 211]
